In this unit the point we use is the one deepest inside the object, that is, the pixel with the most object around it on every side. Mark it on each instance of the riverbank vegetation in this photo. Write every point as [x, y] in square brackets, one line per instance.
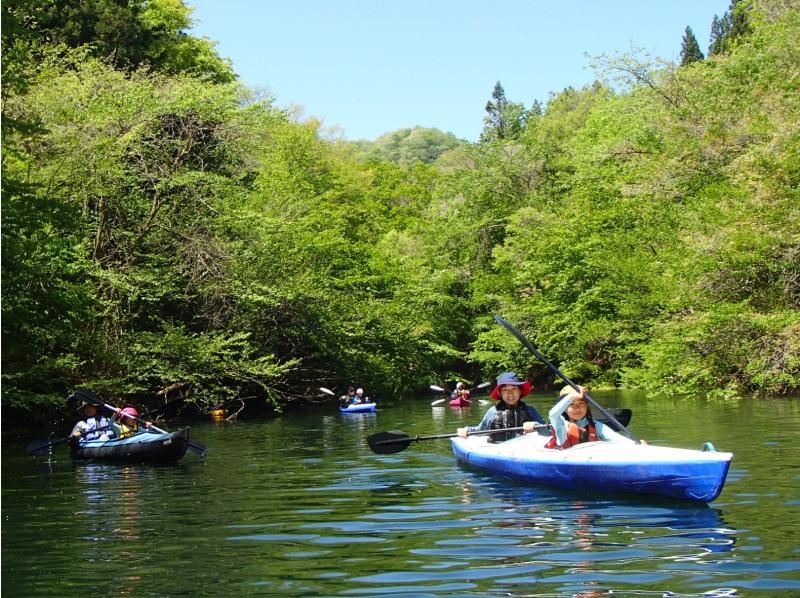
[169, 235]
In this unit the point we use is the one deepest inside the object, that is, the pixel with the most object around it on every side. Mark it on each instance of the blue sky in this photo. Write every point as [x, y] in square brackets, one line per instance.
[369, 67]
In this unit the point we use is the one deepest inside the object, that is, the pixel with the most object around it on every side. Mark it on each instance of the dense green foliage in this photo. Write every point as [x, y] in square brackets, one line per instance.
[129, 34]
[407, 146]
[167, 235]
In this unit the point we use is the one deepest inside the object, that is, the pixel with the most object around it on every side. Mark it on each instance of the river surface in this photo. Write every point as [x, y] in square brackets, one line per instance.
[299, 506]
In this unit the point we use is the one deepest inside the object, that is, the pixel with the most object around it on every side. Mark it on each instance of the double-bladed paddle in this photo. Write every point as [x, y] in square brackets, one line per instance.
[84, 394]
[39, 447]
[480, 386]
[437, 389]
[528, 345]
[388, 443]
[328, 391]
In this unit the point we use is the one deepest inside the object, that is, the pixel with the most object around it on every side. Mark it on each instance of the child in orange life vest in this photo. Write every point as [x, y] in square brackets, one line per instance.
[572, 422]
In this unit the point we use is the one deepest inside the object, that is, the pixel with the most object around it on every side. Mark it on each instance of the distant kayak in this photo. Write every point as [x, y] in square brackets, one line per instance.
[358, 408]
[601, 466]
[460, 402]
[142, 446]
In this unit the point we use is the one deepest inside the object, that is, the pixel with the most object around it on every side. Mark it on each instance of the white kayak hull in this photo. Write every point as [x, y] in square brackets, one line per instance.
[601, 466]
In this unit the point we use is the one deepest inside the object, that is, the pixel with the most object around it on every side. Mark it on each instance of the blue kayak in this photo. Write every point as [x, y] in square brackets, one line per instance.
[358, 408]
[601, 466]
[143, 446]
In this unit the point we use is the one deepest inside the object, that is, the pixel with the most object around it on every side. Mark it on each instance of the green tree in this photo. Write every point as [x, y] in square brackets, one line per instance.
[719, 34]
[127, 33]
[629, 261]
[408, 146]
[690, 49]
[734, 24]
[121, 216]
[163, 236]
[504, 119]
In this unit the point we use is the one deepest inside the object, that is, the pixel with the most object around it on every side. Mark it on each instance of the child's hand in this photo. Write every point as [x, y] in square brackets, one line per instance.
[528, 427]
[463, 432]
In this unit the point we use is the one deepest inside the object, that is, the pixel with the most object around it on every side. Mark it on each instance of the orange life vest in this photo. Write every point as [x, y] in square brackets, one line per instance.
[575, 435]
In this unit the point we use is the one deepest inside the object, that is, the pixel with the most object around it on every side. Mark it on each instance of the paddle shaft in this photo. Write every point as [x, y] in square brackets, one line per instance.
[437, 389]
[480, 386]
[200, 448]
[37, 446]
[529, 345]
[437, 436]
[118, 411]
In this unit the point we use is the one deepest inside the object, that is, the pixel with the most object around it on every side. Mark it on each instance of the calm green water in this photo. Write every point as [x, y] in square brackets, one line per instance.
[299, 506]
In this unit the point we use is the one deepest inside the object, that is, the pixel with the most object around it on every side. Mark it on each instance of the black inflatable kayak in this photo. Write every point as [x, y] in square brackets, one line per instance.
[142, 446]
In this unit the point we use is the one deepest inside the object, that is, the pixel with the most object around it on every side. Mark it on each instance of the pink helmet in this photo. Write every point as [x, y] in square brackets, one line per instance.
[129, 411]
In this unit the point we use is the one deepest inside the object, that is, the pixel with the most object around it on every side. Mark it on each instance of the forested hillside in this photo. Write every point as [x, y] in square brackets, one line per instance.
[168, 235]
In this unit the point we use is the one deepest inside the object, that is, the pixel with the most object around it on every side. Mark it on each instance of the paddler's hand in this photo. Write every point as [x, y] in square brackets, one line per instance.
[463, 432]
[528, 427]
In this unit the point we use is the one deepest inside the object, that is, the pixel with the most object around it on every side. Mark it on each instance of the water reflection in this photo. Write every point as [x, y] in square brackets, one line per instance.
[111, 516]
[580, 537]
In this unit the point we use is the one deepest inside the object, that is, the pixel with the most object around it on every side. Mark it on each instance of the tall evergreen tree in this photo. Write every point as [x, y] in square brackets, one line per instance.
[690, 49]
[504, 119]
[718, 34]
[740, 18]
[494, 124]
[734, 24]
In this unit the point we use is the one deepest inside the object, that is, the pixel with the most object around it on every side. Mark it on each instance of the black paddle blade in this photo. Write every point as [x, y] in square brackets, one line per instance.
[623, 416]
[198, 448]
[388, 443]
[41, 447]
